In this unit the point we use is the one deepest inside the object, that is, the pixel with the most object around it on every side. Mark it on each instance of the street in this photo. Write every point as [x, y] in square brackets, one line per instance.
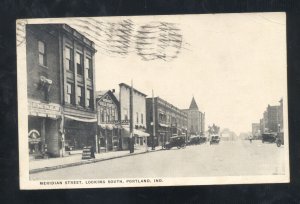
[229, 158]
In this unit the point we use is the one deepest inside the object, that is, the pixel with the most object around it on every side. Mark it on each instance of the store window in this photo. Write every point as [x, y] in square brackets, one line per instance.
[69, 59]
[80, 96]
[79, 64]
[42, 53]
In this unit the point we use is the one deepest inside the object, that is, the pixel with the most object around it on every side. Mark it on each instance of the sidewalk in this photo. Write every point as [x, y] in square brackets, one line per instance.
[41, 165]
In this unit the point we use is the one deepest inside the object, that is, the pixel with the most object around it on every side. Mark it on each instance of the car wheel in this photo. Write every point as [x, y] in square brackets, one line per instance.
[278, 143]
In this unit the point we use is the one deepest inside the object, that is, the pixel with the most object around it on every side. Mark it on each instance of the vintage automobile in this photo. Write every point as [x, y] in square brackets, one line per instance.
[268, 137]
[194, 140]
[176, 141]
[214, 139]
[279, 139]
[203, 139]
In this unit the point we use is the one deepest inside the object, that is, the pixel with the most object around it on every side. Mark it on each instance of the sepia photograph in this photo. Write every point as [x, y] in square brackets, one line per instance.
[160, 100]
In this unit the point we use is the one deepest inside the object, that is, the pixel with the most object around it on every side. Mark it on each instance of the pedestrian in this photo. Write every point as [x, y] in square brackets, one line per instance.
[92, 152]
[250, 138]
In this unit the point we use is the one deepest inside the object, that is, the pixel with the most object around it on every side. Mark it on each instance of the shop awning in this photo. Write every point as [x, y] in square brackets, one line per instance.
[137, 132]
[141, 133]
[163, 125]
[87, 120]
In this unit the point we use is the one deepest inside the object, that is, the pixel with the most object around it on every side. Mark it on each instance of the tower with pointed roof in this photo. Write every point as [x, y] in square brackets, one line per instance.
[193, 105]
[196, 119]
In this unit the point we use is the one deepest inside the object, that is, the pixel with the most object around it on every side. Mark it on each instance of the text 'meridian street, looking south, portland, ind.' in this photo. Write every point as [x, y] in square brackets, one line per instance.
[137, 101]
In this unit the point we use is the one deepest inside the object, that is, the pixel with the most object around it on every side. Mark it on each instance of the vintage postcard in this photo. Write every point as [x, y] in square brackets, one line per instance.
[136, 101]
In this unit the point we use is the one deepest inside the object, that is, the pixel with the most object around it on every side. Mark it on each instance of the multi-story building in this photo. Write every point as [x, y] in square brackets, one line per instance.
[169, 120]
[272, 120]
[60, 67]
[196, 119]
[138, 117]
[109, 129]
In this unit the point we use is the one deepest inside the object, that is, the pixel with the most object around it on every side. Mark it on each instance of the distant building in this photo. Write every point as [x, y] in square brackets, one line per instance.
[138, 117]
[255, 130]
[272, 120]
[109, 128]
[196, 119]
[169, 120]
[60, 87]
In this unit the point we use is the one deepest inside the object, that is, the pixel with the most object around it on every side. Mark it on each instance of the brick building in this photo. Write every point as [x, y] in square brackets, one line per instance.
[60, 85]
[272, 120]
[169, 120]
[196, 119]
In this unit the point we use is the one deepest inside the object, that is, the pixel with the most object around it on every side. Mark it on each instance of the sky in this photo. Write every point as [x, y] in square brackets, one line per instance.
[233, 64]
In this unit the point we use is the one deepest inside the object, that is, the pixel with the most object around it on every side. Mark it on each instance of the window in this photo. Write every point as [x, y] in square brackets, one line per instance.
[142, 118]
[89, 99]
[69, 59]
[89, 68]
[102, 116]
[79, 63]
[80, 96]
[70, 94]
[137, 117]
[42, 53]
[113, 115]
[125, 114]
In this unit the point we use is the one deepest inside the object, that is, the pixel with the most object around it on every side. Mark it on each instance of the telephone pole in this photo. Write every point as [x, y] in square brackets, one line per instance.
[153, 116]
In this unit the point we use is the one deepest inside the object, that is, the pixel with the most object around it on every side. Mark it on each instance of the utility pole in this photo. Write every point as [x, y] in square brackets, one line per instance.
[153, 116]
[131, 144]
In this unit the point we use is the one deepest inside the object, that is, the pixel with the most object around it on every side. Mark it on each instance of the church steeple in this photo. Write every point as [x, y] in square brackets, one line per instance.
[193, 105]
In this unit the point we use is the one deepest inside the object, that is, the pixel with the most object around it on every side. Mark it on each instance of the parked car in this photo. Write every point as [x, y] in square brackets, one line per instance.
[194, 140]
[268, 137]
[176, 141]
[214, 139]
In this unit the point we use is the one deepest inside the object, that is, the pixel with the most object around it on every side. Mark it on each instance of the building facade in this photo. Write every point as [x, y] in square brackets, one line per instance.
[60, 76]
[272, 120]
[169, 121]
[196, 119]
[138, 117]
[109, 128]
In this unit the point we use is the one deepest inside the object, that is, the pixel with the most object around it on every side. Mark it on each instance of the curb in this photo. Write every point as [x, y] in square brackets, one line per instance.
[32, 171]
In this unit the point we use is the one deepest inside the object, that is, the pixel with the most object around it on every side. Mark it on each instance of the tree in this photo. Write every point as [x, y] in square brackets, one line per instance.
[214, 129]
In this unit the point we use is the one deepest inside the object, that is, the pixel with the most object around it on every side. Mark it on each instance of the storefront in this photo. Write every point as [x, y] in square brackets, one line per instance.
[109, 137]
[79, 132]
[44, 134]
[140, 137]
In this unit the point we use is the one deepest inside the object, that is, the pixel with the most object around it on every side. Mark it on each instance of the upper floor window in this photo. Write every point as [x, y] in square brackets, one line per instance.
[42, 53]
[89, 98]
[137, 117]
[142, 118]
[79, 64]
[70, 94]
[89, 68]
[125, 114]
[69, 59]
[102, 115]
[80, 96]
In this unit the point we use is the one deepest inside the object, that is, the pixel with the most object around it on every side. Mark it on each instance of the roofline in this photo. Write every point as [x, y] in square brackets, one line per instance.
[127, 86]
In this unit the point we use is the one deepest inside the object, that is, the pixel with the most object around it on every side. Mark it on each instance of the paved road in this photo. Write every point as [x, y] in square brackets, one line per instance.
[237, 158]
